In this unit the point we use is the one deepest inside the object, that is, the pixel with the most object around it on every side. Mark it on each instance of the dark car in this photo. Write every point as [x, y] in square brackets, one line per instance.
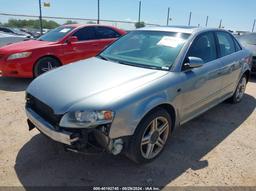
[15, 31]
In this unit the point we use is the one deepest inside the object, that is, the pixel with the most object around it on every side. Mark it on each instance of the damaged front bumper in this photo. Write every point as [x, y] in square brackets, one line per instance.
[75, 139]
[34, 120]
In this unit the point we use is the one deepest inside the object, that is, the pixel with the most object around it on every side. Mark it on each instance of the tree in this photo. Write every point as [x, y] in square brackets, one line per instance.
[68, 22]
[91, 22]
[23, 23]
[139, 24]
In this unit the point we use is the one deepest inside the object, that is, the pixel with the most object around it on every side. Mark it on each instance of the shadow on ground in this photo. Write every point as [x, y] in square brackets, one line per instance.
[41, 162]
[14, 84]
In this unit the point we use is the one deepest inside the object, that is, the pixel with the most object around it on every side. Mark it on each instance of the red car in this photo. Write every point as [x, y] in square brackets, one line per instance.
[60, 46]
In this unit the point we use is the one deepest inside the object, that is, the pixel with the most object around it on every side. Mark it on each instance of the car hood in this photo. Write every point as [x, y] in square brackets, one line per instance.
[95, 82]
[24, 46]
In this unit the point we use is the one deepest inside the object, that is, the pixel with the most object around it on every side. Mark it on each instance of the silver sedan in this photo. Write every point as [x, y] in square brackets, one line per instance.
[131, 97]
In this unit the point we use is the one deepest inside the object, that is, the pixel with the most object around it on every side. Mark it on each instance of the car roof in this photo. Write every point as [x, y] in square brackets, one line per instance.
[85, 25]
[180, 29]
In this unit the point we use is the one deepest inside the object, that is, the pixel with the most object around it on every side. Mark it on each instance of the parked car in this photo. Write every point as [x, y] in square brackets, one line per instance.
[6, 39]
[248, 40]
[15, 31]
[63, 45]
[131, 97]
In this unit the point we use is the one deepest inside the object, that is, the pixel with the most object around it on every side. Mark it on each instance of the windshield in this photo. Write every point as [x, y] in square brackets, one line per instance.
[56, 34]
[150, 49]
[248, 39]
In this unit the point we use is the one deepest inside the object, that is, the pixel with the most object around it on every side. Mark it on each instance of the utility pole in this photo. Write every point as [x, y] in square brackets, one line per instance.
[40, 17]
[206, 23]
[253, 25]
[220, 25]
[168, 16]
[98, 20]
[139, 11]
[189, 20]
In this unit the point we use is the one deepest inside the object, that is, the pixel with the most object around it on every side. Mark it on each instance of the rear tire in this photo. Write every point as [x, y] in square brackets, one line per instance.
[45, 64]
[150, 136]
[240, 89]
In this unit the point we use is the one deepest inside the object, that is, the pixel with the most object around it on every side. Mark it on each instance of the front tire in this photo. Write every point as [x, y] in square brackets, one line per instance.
[44, 65]
[150, 136]
[240, 90]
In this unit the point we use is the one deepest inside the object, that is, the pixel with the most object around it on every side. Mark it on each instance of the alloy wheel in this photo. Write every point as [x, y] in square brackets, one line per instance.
[154, 137]
[47, 67]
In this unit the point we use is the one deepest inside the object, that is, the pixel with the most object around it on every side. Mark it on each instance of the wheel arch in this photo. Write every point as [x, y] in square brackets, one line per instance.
[166, 106]
[247, 73]
[45, 56]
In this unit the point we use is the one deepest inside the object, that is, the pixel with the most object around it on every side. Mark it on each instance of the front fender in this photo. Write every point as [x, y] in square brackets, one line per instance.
[128, 118]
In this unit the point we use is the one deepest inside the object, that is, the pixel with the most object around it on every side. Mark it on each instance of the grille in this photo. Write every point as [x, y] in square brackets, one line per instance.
[43, 110]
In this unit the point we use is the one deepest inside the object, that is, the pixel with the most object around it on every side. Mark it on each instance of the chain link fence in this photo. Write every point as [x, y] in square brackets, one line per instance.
[127, 25]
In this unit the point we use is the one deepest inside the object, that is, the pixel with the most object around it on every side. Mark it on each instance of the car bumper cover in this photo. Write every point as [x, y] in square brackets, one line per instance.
[47, 129]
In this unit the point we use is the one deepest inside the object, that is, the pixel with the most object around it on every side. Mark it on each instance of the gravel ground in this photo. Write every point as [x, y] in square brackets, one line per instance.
[216, 149]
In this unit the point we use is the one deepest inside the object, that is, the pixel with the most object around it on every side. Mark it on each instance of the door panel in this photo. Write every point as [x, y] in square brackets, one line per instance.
[203, 85]
[231, 70]
[231, 61]
[103, 43]
[106, 36]
[91, 40]
[201, 89]
[85, 47]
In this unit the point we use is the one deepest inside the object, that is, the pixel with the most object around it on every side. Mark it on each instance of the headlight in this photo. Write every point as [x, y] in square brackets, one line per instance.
[86, 119]
[19, 55]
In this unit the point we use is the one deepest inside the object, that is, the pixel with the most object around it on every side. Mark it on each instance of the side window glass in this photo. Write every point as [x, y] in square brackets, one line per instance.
[204, 47]
[226, 43]
[104, 33]
[86, 33]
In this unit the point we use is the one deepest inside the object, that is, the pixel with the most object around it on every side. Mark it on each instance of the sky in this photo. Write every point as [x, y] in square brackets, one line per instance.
[235, 14]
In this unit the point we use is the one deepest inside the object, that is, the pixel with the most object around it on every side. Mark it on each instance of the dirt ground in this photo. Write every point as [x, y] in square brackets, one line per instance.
[216, 149]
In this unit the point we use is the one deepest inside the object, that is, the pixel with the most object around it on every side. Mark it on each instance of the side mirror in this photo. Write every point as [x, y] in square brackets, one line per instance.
[72, 39]
[193, 62]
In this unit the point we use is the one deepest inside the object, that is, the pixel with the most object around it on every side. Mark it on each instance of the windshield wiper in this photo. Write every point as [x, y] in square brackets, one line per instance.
[139, 65]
